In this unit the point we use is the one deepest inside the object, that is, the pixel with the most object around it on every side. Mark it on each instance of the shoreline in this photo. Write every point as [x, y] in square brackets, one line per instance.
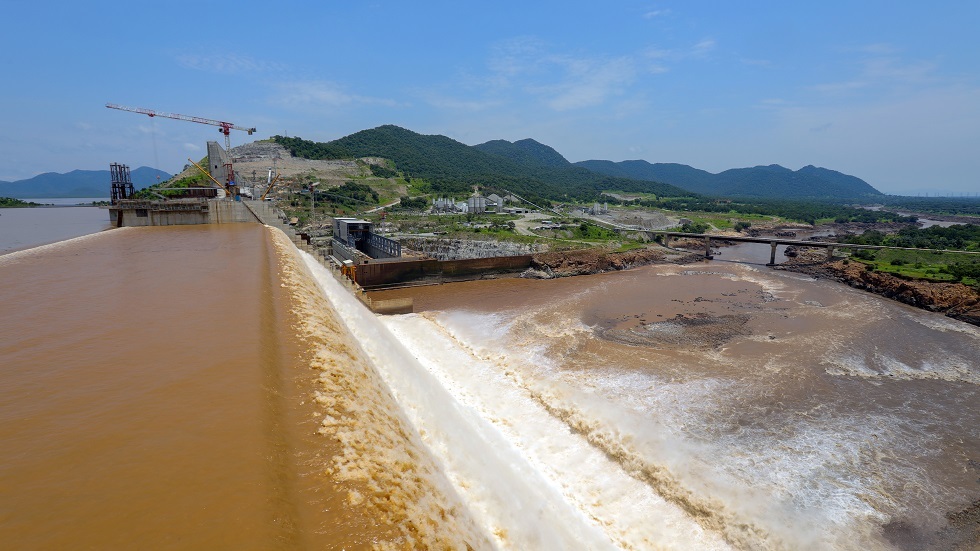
[954, 300]
[551, 265]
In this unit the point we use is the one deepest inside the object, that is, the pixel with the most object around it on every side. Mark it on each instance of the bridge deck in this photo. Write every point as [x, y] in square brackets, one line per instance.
[798, 242]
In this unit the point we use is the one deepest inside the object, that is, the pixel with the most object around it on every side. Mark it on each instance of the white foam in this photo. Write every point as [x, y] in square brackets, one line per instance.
[800, 488]
[882, 366]
[503, 489]
[628, 511]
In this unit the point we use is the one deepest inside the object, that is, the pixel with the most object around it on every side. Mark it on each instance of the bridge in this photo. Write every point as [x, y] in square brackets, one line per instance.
[775, 241]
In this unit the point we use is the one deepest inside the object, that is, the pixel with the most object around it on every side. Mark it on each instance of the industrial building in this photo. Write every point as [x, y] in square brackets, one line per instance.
[354, 240]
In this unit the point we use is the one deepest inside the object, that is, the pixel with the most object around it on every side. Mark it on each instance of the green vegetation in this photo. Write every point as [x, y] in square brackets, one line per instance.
[299, 147]
[930, 266]
[694, 227]
[10, 202]
[590, 231]
[961, 236]
[383, 171]
[810, 212]
[351, 195]
[451, 167]
[411, 203]
[933, 266]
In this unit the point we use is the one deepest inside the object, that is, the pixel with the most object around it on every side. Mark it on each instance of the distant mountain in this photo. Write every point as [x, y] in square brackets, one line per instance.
[526, 152]
[77, 183]
[526, 167]
[771, 181]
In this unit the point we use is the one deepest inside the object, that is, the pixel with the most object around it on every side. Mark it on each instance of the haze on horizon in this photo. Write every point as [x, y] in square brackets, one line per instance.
[884, 91]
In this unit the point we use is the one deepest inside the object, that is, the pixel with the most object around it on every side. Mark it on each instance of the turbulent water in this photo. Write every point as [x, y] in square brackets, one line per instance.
[709, 406]
[211, 387]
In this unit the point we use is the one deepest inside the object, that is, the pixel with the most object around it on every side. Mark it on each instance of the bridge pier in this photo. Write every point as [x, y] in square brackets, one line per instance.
[707, 248]
[830, 253]
[772, 254]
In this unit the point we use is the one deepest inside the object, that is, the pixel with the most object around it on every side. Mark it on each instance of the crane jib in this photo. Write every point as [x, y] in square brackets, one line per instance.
[225, 127]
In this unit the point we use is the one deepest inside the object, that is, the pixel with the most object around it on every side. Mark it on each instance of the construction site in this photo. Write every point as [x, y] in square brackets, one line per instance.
[261, 182]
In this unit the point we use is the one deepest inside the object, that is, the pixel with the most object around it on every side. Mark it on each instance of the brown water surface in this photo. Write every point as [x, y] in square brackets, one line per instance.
[153, 396]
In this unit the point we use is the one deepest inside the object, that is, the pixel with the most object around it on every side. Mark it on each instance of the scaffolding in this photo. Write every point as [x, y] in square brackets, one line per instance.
[122, 184]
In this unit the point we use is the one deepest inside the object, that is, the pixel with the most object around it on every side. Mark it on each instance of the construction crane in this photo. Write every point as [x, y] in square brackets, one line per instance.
[271, 185]
[223, 127]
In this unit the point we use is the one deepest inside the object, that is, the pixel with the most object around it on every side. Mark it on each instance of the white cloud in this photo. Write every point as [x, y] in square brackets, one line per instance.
[227, 63]
[655, 13]
[299, 93]
[149, 129]
[191, 147]
[470, 105]
[840, 87]
[702, 48]
[662, 57]
[589, 82]
[920, 138]
[883, 73]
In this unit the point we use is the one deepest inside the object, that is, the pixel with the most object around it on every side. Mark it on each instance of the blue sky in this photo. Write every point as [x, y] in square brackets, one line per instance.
[886, 91]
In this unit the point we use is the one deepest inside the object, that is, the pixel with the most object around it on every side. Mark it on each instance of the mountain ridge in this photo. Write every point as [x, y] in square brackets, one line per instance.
[75, 183]
[764, 181]
[529, 168]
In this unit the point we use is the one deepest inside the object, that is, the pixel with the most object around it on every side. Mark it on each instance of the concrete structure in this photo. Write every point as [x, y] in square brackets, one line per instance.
[178, 212]
[219, 163]
[398, 273]
[352, 236]
[443, 203]
[476, 204]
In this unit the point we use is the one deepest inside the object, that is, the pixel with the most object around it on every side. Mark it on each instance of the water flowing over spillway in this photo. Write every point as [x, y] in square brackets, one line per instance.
[213, 386]
[731, 408]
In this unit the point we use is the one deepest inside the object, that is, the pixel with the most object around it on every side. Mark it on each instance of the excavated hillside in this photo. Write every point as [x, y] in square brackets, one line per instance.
[260, 156]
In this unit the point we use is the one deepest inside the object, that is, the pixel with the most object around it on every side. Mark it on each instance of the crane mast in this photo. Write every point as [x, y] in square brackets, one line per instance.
[223, 127]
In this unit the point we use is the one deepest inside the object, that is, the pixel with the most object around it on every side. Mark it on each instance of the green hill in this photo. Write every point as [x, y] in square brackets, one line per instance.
[453, 167]
[526, 152]
[771, 181]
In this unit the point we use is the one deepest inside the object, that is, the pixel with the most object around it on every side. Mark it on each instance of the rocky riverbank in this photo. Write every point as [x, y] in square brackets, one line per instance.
[594, 261]
[955, 300]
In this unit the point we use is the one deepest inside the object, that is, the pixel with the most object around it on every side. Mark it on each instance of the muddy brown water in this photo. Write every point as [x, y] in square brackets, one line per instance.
[153, 395]
[848, 413]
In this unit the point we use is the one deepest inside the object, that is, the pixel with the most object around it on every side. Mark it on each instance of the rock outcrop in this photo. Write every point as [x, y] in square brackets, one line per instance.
[589, 261]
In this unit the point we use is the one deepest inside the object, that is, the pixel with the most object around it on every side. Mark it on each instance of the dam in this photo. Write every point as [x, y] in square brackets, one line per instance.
[228, 390]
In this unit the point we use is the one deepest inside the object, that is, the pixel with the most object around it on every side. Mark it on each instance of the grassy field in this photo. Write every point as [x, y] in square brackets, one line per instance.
[931, 266]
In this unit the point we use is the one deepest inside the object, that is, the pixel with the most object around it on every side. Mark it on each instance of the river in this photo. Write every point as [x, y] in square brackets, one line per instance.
[738, 406]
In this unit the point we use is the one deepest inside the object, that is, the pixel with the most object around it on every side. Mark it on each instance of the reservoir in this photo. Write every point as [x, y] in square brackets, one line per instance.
[23, 228]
